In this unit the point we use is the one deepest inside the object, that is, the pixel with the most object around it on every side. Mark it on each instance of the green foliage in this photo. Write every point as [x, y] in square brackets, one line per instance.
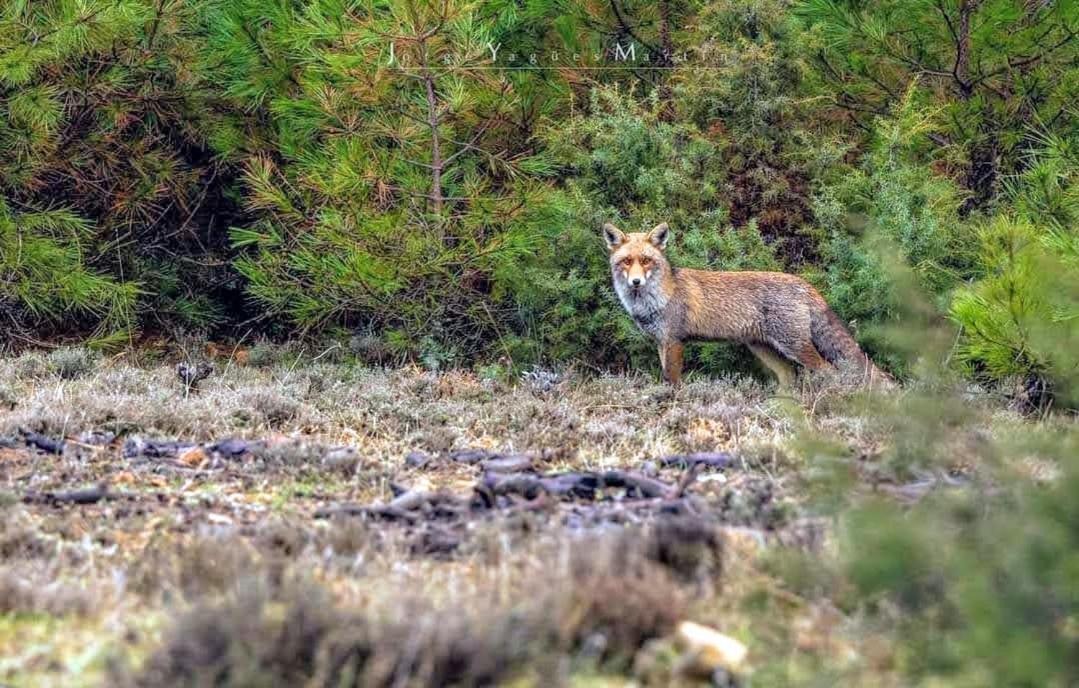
[44, 276]
[994, 68]
[757, 102]
[370, 168]
[1047, 191]
[981, 590]
[893, 207]
[1020, 317]
[626, 163]
[99, 111]
[386, 198]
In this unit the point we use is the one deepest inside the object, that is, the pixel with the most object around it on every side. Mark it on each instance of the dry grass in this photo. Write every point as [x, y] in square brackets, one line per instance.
[218, 573]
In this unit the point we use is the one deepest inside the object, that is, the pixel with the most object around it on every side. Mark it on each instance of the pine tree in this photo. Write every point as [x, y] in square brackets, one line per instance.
[98, 113]
[44, 278]
[394, 183]
[1020, 317]
[998, 68]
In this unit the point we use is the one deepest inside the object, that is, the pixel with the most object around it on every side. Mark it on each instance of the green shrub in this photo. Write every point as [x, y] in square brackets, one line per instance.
[759, 105]
[203, 165]
[367, 215]
[70, 362]
[1022, 317]
[894, 207]
[629, 165]
[960, 60]
[100, 111]
[979, 586]
[44, 275]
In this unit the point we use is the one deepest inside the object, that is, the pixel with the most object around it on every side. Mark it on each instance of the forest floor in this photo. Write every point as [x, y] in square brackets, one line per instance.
[323, 524]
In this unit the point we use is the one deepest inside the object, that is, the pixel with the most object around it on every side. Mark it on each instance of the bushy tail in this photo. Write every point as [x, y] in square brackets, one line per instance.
[837, 346]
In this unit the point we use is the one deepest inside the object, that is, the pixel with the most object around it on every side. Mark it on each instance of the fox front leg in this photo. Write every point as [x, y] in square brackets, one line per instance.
[670, 357]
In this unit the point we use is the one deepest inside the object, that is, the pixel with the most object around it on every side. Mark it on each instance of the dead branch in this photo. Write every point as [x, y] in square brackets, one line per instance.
[155, 449]
[87, 495]
[45, 444]
[705, 459]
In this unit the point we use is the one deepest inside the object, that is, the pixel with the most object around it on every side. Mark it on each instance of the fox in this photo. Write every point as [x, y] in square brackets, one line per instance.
[782, 318]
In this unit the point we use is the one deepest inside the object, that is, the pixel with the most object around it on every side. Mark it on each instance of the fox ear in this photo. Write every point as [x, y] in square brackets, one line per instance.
[613, 236]
[659, 235]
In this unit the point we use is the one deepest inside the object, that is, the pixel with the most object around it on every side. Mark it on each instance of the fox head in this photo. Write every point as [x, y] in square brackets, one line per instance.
[637, 261]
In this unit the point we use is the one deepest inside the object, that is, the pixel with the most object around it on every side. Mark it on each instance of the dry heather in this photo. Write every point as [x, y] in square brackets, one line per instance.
[213, 566]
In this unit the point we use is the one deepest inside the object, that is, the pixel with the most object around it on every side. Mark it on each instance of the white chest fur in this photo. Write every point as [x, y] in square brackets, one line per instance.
[644, 304]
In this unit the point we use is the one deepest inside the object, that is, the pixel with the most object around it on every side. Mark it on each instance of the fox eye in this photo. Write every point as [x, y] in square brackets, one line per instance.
[627, 262]
[646, 263]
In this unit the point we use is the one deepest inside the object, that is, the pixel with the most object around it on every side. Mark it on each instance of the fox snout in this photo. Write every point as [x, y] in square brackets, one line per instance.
[636, 273]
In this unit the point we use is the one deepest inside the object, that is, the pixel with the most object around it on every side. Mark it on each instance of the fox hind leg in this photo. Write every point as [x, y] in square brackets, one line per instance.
[809, 357]
[780, 366]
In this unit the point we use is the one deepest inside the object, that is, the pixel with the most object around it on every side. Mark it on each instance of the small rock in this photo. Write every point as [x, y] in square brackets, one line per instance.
[416, 459]
[708, 652]
[712, 478]
[230, 448]
[342, 458]
[219, 519]
[97, 438]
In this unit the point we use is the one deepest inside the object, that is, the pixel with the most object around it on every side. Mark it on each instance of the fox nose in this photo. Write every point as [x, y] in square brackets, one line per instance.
[636, 281]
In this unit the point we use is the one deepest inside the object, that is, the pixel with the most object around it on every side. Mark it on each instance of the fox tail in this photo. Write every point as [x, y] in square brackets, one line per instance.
[837, 346]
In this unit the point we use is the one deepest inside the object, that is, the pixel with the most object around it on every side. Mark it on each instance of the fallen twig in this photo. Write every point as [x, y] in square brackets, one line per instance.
[87, 495]
[45, 444]
[136, 446]
[706, 459]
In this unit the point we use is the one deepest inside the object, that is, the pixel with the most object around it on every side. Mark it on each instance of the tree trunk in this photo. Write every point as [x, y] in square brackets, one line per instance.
[666, 60]
[961, 72]
[437, 162]
[982, 172]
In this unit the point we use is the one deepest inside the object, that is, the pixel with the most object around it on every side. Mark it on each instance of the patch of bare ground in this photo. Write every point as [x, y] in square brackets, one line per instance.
[319, 524]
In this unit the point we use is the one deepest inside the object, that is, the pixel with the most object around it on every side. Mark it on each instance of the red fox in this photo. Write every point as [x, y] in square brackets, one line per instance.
[780, 317]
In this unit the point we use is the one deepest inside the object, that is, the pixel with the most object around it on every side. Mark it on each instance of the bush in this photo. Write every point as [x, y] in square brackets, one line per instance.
[71, 362]
[600, 603]
[959, 60]
[44, 278]
[385, 224]
[100, 111]
[758, 106]
[1022, 318]
[980, 589]
[894, 208]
